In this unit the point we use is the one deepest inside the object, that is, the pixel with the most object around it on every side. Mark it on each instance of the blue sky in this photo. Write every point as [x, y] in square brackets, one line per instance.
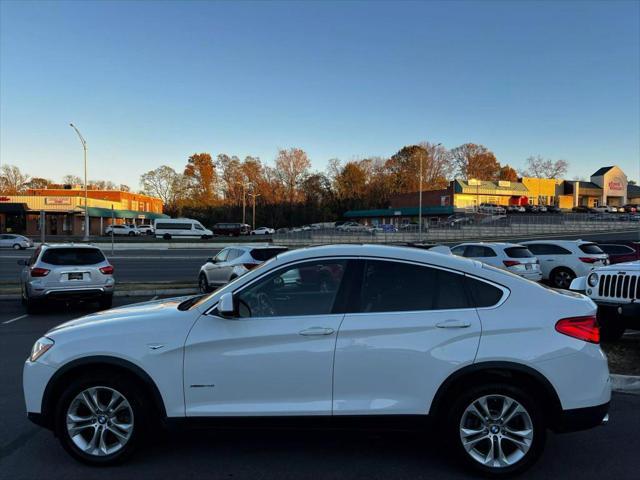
[149, 83]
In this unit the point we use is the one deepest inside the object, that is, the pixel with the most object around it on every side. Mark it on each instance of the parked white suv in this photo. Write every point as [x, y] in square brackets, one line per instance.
[117, 229]
[616, 291]
[509, 256]
[334, 333]
[563, 260]
[605, 209]
[492, 208]
[145, 229]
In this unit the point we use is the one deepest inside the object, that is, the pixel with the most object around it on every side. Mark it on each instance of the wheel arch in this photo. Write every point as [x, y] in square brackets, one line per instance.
[520, 375]
[79, 366]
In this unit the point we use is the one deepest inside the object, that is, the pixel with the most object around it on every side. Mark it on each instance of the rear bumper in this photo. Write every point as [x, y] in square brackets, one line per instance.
[582, 418]
[76, 293]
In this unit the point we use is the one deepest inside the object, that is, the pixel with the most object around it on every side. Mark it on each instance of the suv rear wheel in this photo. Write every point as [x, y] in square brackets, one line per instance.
[100, 418]
[562, 277]
[496, 429]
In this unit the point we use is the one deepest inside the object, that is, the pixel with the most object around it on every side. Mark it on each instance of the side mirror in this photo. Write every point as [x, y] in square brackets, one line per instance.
[225, 304]
[22, 262]
[210, 260]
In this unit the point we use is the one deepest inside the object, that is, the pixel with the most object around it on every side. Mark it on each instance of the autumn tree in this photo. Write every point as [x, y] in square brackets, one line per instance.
[404, 168]
[351, 181]
[231, 178]
[539, 167]
[166, 184]
[475, 161]
[292, 166]
[12, 180]
[201, 173]
[507, 173]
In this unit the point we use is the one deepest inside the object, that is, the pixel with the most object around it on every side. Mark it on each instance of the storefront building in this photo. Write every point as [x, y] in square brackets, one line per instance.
[61, 211]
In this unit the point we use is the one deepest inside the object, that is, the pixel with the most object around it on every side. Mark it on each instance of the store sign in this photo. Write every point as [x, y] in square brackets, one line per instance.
[616, 184]
[57, 200]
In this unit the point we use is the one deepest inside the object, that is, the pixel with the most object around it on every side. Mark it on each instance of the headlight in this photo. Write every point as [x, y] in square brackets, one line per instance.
[40, 348]
[592, 279]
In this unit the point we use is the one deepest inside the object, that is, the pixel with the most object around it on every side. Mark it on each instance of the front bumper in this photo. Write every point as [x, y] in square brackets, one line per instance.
[582, 418]
[628, 311]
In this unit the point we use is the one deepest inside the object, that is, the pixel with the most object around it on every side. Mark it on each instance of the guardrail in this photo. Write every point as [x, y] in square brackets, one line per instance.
[478, 228]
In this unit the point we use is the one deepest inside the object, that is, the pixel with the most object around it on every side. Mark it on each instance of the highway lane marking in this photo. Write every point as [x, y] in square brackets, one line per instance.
[14, 319]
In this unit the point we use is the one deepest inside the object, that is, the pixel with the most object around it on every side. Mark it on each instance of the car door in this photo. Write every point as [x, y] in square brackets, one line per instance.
[213, 269]
[410, 327]
[275, 356]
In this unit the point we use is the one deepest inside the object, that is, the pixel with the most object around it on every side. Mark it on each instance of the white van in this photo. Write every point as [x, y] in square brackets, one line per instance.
[168, 228]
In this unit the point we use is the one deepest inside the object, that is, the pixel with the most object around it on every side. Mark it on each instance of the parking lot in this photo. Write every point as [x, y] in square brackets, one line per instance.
[28, 452]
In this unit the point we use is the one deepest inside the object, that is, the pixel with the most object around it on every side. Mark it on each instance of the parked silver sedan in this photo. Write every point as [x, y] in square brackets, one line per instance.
[66, 271]
[17, 242]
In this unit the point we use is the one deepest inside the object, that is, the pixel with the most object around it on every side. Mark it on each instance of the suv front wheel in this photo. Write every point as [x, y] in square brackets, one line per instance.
[497, 429]
[100, 418]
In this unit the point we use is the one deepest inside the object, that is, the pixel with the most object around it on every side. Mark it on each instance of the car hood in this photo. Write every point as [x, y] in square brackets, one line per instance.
[145, 311]
[621, 267]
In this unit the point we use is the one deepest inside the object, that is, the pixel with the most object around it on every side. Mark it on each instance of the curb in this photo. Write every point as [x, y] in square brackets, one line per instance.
[625, 383]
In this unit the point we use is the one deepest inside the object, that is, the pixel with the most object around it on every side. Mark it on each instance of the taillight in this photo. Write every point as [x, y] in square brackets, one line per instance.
[108, 270]
[249, 266]
[510, 263]
[589, 259]
[39, 272]
[582, 328]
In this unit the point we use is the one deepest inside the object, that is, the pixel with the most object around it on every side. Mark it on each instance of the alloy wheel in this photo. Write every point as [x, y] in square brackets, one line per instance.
[563, 279]
[496, 431]
[99, 421]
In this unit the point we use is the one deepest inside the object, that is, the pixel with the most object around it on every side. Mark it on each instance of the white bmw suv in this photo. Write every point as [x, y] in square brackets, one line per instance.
[333, 333]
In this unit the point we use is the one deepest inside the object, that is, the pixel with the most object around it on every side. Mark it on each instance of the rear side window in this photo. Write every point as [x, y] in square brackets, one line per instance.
[401, 287]
[547, 249]
[617, 249]
[518, 252]
[264, 254]
[482, 293]
[73, 256]
[474, 251]
[590, 248]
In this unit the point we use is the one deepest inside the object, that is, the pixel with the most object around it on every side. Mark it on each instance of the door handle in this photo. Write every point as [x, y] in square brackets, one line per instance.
[315, 331]
[454, 324]
[549, 260]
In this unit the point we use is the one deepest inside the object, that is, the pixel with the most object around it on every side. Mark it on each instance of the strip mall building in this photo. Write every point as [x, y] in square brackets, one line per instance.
[608, 186]
[64, 210]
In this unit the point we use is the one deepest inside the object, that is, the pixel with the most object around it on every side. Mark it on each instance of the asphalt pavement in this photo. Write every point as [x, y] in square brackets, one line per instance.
[29, 452]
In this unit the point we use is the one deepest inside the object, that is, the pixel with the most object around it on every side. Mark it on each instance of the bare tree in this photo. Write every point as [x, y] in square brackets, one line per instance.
[164, 183]
[72, 180]
[539, 167]
[12, 180]
[37, 182]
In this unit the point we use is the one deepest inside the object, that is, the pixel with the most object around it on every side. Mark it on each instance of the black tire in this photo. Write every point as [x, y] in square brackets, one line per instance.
[149, 232]
[166, 236]
[106, 302]
[125, 386]
[612, 326]
[132, 234]
[561, 277]
[30, 305]
[17, 247]
[453, 426]
[203, 284]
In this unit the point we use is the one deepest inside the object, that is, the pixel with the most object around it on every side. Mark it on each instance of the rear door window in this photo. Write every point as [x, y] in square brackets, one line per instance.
[73, 256]
[547, 249]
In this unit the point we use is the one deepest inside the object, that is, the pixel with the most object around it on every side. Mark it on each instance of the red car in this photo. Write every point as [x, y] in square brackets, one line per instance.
[621, 251]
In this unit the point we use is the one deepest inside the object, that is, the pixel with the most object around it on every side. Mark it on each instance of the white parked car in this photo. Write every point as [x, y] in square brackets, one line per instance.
[333, 333]
[127, 230]
[563, 260]
[492, 209]
[232, 262]
[605, 209]
[17, 242]
[509, 256]
[354, 227]
[263, 231]
[146, 229]
[616, 291]
[168, 228]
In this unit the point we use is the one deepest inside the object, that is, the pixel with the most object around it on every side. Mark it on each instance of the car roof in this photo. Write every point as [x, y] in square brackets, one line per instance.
[68, 245]
[557, 242]
[492, 244]
[383, 252]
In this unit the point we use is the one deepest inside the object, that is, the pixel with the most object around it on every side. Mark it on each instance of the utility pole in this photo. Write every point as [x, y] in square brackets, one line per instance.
[86, 206]
[244, 203]
[254, 195]
[420, 195]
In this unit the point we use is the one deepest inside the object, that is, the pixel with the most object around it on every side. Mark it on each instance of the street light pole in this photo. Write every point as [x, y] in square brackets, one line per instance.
[420, 197]
[244, 203]
[86, 207]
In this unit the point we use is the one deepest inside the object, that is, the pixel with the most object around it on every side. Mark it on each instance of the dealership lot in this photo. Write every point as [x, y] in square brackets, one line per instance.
[27, 451]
